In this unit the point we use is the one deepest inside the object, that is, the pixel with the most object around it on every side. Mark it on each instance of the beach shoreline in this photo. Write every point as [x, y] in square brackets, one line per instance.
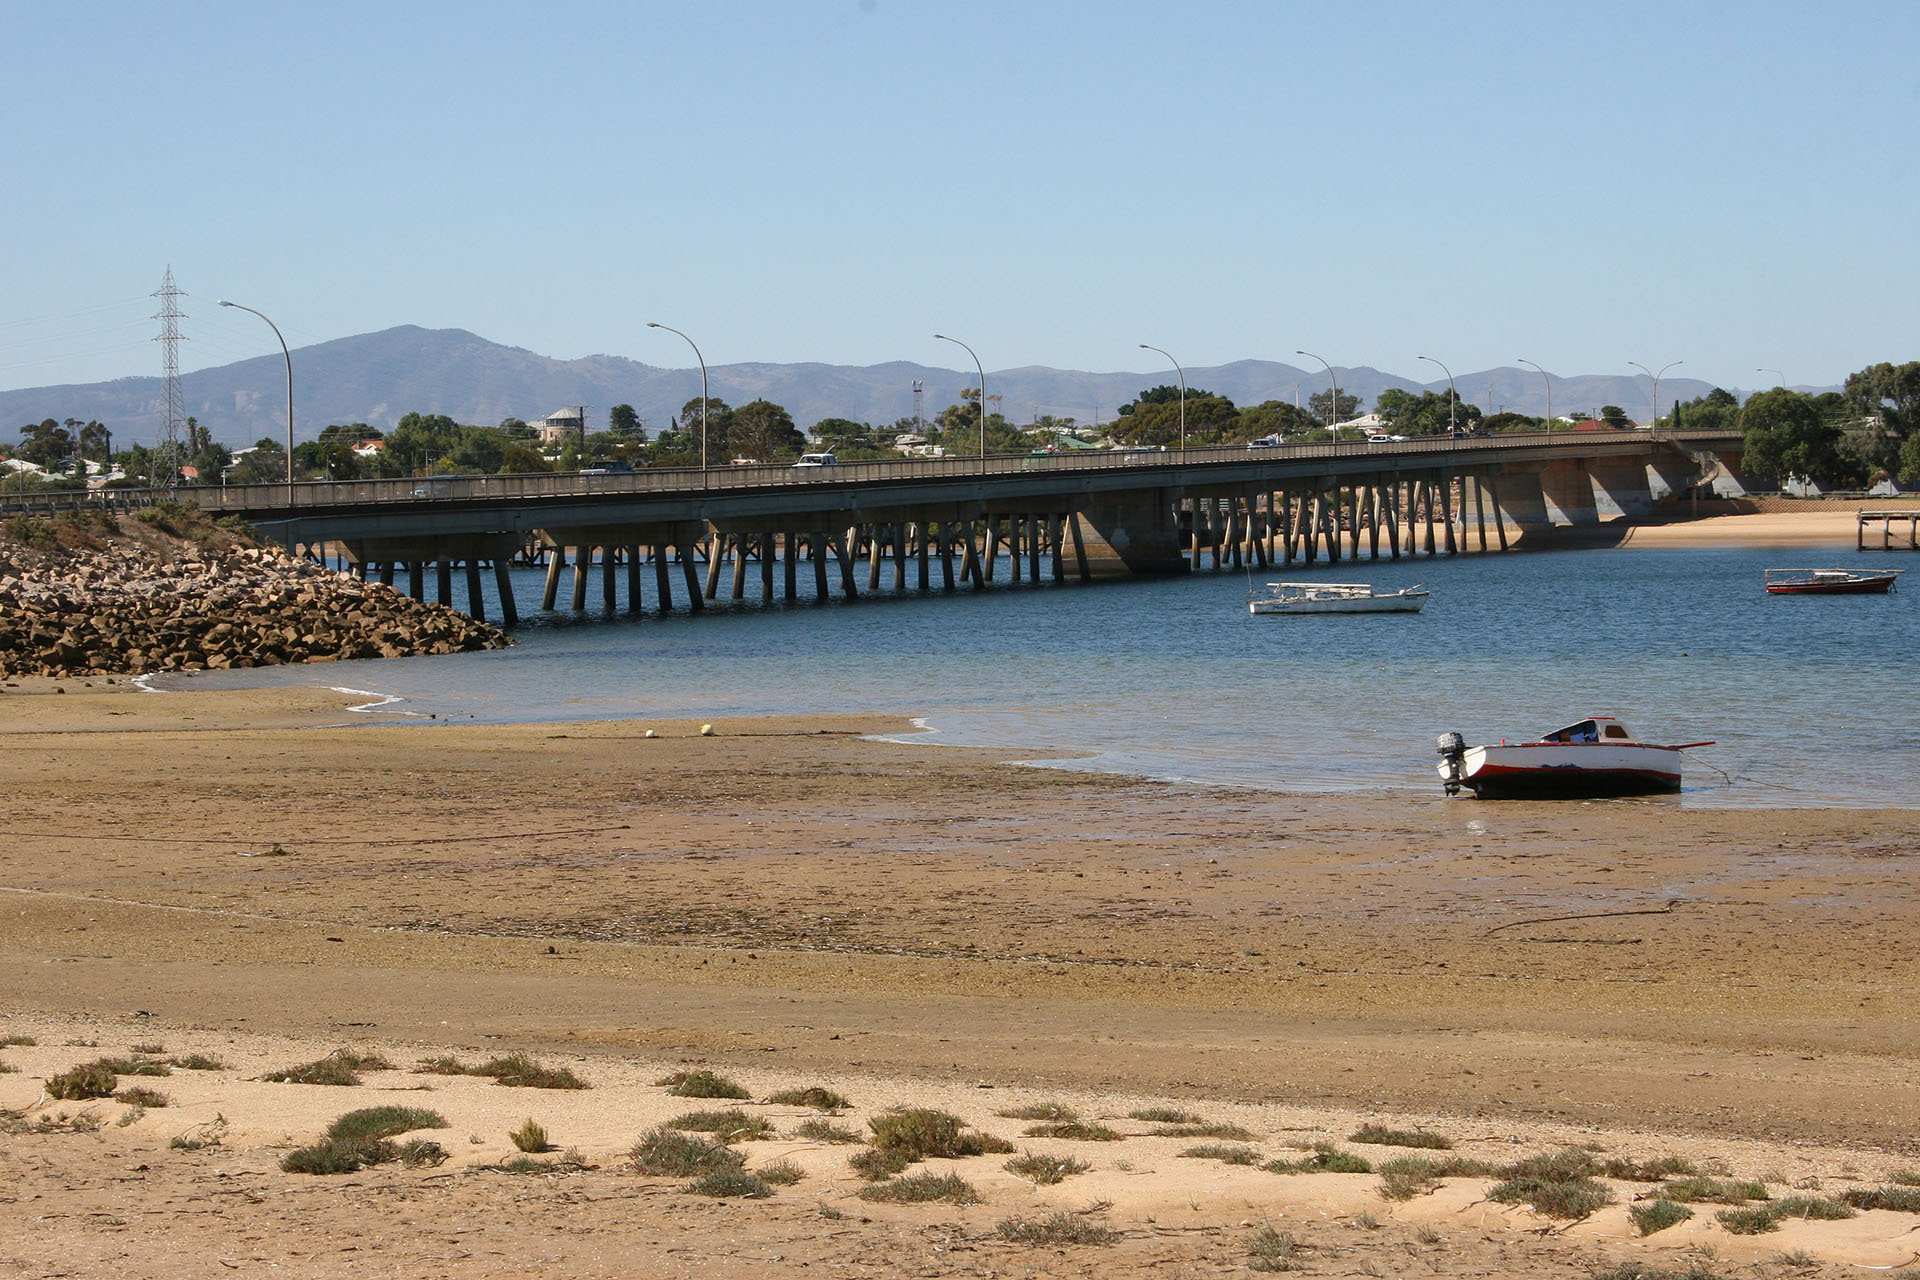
[793, 892]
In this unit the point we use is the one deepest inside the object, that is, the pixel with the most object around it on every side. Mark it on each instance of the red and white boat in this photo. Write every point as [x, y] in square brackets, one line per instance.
[1598, 756]
[1830, 582]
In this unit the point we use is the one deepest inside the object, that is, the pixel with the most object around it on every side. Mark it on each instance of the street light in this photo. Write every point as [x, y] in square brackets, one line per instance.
[1451, 397]
[1333, 409]
[1656, 385]
[1549, 381]
[703, 389]
[1776, 373]
[983, 390]
[1148, 346]
[289, 359]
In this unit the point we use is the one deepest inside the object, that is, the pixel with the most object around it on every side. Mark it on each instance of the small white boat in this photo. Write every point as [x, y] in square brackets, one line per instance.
[1336, 597]
[1598, 756]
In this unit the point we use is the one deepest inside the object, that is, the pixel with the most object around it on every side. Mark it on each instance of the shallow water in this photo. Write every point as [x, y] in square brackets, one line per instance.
[1807, 698]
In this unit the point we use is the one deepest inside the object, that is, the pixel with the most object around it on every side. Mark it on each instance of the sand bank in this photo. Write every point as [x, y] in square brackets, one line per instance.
[246, 875]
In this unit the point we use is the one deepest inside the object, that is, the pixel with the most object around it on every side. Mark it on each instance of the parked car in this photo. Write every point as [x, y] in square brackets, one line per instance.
[1273, 441]
[1386, 439]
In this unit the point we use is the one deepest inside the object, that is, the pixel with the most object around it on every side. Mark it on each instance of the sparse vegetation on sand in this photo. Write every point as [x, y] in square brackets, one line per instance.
[922, 1188]
[1559, 1184]
[1225, 1153]
[818, 1130]
[923, 1133]
[1045, 1169]
[196, 1062]
[1656, 1170]
[1272, 1250]
[331, 1155]
[1054, 1111]
[667, 1153]
[780, 1173]
[77, 1084]
[1650, 1216]
[877, 1165]
[1163, 1115]
[1405, 1177]
[383, 1122]
[1904, 1198]
[729, 1126]
[140, 1096]
[1379, 1135]
[1074, 1131]
[819, 1097]
[702, 1084]
[342, 1067]
[515, 1070]
[1055, 1229]
[530, 1137]
[1326, 1158]
[731, 1184]
[1203, 1129]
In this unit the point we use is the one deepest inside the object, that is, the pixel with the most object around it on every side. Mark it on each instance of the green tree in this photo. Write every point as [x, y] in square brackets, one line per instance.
[479, 449]
[719, 417]
[1319, 402]
[1426, 414]
[624, 424]
[520, 458]
[958, 428]
[1511, 422]
[764, 432]
[1787, 437]
[1614, 416]
[45, 443]
[95, 440]
[349, 434]
[1715, 411]
[1154, 418]
[1891, 391]
[419, 441]
[517, 429]
[265, 463]
[1274, 418]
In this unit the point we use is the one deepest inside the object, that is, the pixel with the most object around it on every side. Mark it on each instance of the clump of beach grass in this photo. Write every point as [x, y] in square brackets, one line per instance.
[1902, 1198]
[816, 1096]
[1380, 1135]
[1163, 1115]
[702, 1084]
[924, 1133]
[341, 1068]
[1326, 1158]
[780, 1173]
[1697, 1189]
[1747, 1222]
[383, 1122]
[1557, 1185]
[196, 1062]
[1273, 1250]
[922, 1188]
[877, 1165]
[149, 1049]
[667, 1153]
[729, 1126]
[1045, 1169]
[1074, 1131]
[1054, 1111]
[1405, 1177]
[530, 1137]
[1225, 1132]
[140, 1096]
[201, 1136]
[1225, 1153]
[1650, 1216]
[1658, 1169]
[515, 1070]
[1055, 1229]
[17, 1041]
[136, 1066]
[731, 1184]
[77, 1084]
[818, 1130]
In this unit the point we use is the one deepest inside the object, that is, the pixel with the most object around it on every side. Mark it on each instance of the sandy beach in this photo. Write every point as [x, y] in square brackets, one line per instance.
[264, 877]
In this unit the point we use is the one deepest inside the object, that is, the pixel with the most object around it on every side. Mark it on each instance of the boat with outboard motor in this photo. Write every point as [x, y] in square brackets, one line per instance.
[1595, 757]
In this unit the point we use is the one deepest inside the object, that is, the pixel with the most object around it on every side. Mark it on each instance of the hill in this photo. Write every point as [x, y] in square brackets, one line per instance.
[377, 377]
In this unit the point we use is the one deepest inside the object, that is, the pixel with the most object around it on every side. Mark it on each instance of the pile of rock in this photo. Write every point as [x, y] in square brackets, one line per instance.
[121, 608]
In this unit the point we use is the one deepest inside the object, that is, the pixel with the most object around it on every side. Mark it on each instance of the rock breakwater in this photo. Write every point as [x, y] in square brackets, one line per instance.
[131, 608]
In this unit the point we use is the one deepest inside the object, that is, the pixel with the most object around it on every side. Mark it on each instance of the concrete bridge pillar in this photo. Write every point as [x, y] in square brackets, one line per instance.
[1567, 489]
[1620, 489]
[1118, 535]
[1520, 501]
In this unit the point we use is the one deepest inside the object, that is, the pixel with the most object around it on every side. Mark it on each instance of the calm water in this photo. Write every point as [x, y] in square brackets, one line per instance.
[1809, 699]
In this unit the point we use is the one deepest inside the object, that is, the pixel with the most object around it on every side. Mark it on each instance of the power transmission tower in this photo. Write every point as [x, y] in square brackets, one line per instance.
[166, 456]
[919, 417]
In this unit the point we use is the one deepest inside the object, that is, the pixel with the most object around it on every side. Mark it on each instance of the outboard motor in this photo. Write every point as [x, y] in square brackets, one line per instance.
[1453, 756]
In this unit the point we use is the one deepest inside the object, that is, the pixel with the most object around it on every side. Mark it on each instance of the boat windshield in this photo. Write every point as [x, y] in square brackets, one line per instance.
[1585, 731]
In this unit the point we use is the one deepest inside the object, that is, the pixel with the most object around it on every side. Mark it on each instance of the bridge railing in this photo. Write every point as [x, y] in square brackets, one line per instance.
[552, 486]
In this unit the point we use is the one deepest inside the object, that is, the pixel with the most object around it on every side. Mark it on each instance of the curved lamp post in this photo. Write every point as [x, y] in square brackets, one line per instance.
[1451, 397]
[289, 359]
[1333, 409]
[1656, 386]
[703, 387]
[1776, 373]
[1549, 381]
[983, 391]
[1148, 346]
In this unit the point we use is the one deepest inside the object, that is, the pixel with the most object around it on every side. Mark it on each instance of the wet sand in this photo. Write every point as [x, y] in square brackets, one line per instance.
[259, 876]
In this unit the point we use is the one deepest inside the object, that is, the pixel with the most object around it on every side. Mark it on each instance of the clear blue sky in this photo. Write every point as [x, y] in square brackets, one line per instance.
[1728, 184]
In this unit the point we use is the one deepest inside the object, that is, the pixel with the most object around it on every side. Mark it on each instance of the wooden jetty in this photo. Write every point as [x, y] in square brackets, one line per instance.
[1891, 537]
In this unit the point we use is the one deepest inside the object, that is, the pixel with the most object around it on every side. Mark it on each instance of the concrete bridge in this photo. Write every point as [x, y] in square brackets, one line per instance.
[1074, 516]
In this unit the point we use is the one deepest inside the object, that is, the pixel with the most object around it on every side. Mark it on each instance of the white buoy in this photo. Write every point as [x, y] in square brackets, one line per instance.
[706, 731]
[651, 734]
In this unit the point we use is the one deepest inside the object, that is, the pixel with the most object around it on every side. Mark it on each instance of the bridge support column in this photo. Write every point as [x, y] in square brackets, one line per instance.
[633, 579]
[1080, 566]
[503, 587]
[662, 579]
[716, 551]
[582, 565]
[1036, 534]
[1118, 535]
[1446, 514]
[609, 578]
[417, 579]
[789, 564]
[817, 552]
[696, 600]
[1620, 489]
[476, 603]
[1567, 490]
[443, 582]
[765, 543]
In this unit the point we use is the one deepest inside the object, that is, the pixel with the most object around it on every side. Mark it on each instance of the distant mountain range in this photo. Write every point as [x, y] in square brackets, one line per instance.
[376, 378]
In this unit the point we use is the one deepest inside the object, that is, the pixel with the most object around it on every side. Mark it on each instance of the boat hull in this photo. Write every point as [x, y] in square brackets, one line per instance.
[1563, 770]
[1362, 604]
[1853, 587]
